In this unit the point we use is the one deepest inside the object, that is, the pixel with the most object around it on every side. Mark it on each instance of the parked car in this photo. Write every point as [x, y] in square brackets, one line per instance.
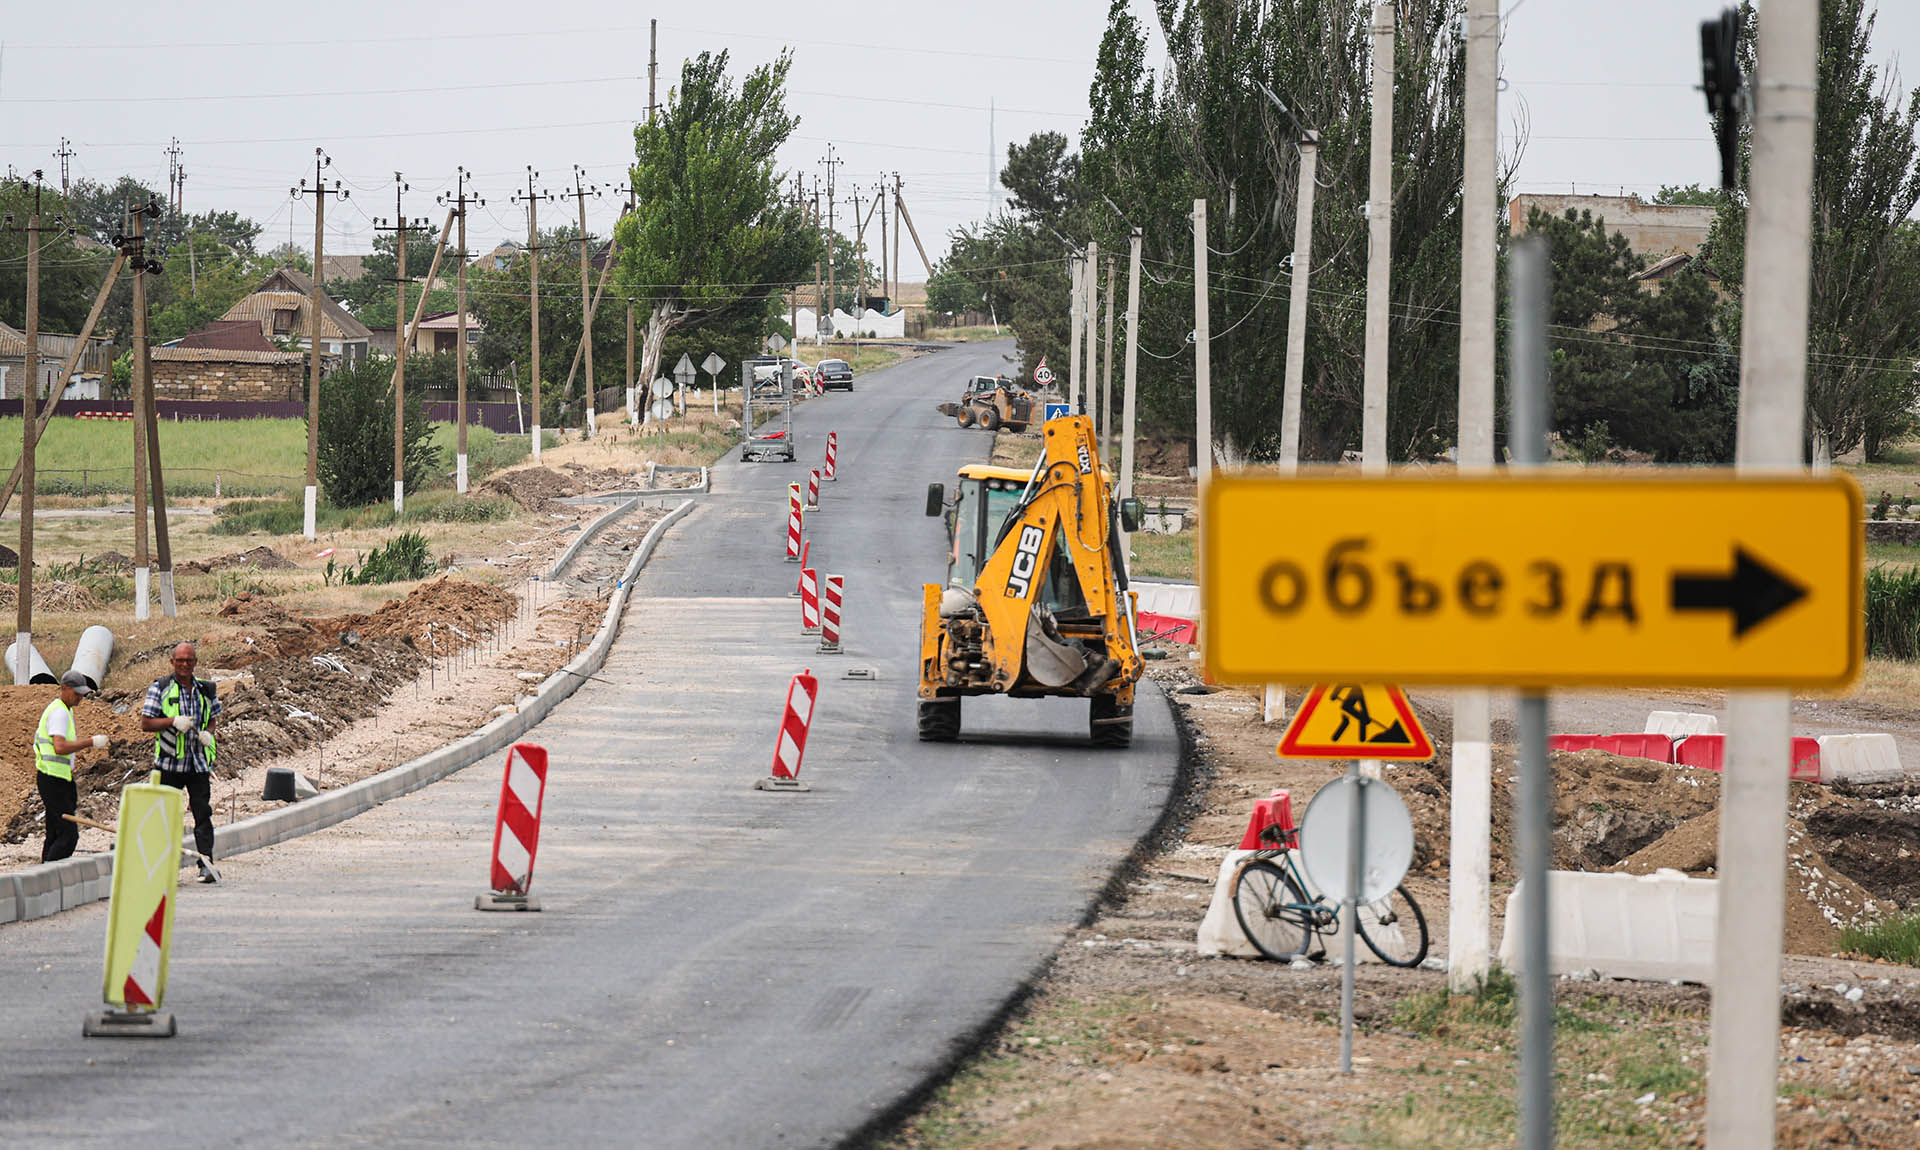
[835, 373]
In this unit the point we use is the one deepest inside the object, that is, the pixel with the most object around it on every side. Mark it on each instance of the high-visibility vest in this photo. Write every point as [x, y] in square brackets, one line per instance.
[168, 741]
[45, 759]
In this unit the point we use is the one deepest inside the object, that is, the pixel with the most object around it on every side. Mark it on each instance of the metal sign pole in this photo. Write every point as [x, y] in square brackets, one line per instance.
[1356, 849]
[1533, 803]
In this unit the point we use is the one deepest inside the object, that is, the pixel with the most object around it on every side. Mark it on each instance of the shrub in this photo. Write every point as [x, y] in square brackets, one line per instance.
[356, 436]
[1893, 612]
[1895, 939]
[404, 557]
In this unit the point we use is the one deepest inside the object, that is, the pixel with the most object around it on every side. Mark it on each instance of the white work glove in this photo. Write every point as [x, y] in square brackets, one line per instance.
[183, 722]
[206, 740]
[99, 742]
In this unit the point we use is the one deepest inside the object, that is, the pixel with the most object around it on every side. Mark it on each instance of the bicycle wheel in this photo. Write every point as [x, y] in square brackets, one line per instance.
[1272, 910]
[1394, 929]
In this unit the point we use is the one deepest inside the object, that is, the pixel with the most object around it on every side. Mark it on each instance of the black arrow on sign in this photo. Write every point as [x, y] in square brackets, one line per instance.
[1754, 592]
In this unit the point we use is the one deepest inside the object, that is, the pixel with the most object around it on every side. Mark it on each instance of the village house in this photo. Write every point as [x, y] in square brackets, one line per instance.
[229, 361]
[53, 352]
[279, 308]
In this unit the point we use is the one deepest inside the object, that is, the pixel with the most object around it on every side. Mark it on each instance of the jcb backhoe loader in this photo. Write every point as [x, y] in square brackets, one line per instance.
[1036, 600]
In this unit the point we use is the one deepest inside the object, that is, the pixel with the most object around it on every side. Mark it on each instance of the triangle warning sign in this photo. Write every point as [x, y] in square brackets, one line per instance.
[1355, 721]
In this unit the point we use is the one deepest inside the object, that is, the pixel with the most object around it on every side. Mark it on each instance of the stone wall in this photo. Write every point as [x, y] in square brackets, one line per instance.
[246, 382]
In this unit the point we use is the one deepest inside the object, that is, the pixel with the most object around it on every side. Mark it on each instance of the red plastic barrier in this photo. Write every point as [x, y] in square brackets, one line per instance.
[1573, 742]
[1703, 751]
[1805, 757]
[1659, 748]
[1270, 812]
[1153, 626]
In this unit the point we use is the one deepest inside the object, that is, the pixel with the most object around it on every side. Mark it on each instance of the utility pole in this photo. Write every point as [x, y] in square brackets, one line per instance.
[320, 191]
[532, 199]
[1202, 355]
[1105, 422]
[653, 69]
[1469, 893]
[1274, 698]
[896, 233]
[579, 194]
[1133, 359]
[633, 385]
[1077, 297]
[459, 201]
[819, 282]
[1090, 315]
[173, 178]
[858, 311]
[402, 342]
[1373, 414]
[1750, 921]
[136, 251]
[65, 156]
[886, 283]
[830, 162]
[29, 393]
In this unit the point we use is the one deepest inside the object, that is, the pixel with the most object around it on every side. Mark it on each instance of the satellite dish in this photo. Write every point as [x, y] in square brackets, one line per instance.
[662, 408]
[663, 386]
[1387, 833]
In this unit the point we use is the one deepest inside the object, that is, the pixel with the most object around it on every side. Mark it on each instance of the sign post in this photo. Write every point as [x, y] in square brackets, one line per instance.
[713, 365]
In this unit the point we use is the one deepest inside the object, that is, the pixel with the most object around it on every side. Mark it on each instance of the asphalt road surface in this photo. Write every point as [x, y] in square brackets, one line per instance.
[715, 965]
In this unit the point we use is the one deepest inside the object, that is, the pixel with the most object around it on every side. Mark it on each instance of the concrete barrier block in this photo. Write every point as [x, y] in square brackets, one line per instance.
[39, 890]
[1674, 724]
[9, 898]
[1869, 758]
[1655, 927]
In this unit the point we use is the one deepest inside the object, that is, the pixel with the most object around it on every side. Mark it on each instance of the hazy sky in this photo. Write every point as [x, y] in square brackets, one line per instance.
[1606, 89]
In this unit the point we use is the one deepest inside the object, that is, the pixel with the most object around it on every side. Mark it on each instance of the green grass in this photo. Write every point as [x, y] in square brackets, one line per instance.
[967, 334]
[1162, 556]
[287, 517]
[1899, 553]
[1893, 611]
[1895, 939]
[254, 457]
[869, 357]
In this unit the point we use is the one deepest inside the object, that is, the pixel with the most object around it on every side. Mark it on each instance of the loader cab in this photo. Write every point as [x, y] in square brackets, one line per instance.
[983, 497]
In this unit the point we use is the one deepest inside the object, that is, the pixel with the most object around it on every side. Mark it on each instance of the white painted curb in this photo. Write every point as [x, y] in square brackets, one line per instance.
[50, 888]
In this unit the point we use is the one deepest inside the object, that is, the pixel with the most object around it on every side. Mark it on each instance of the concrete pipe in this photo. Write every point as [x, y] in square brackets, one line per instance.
[93, 654]
[37, 669]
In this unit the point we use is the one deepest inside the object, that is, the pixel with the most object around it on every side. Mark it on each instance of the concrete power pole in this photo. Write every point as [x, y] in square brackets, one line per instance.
[653, 67]
[1077, 299]
[896, 234]
[29, 393]
[1133, 359]
[581, 191]
[1202, 354]
[1090, 315]
[65, 155]
[858, 310]
[1106, 367]
[830, 162]
[402, 344]
[1373, 415]
[1751, 919]
[886, 280]
[459, 201]
[1469, 921]
[137, 264]
[319, 191]
[532, 200]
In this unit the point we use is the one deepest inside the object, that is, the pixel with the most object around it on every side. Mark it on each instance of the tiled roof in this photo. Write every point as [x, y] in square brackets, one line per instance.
[229, 335]
[292, 288]
[224, 355]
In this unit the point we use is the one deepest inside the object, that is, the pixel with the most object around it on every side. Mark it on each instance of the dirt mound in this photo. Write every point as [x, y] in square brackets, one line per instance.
[597, 479]
[1875, 848]
[534, 488]
[118, 561]
[438, 617]
[1607, 807]
[265, 558]
[52, 597]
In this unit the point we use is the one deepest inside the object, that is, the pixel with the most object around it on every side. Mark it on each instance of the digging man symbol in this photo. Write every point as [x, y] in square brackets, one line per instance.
[178, 710]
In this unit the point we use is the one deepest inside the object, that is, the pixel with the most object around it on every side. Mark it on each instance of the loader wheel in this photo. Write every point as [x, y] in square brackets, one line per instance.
[1109, 724]
[939, 720]
[965, 417]
[990, 419]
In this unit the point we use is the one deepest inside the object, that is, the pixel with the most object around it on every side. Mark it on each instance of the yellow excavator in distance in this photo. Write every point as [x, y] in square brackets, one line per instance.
[1036, 602]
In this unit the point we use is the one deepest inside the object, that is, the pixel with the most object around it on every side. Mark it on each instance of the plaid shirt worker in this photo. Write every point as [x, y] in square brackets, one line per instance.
[194, 757]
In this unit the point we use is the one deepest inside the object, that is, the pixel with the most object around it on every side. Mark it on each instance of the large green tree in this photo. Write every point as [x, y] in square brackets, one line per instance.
[710, 236]
[1864, 322]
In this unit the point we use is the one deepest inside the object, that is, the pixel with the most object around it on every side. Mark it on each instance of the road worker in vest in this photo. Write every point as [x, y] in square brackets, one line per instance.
[53, 746]
[178, 710]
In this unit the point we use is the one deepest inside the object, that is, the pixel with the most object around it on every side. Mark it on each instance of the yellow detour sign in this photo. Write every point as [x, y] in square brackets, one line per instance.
[1355, 721]
[146, 875]
[1675, 578]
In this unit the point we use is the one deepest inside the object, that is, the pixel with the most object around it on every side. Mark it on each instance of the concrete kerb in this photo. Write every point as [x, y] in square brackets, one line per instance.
[47, 889]
[585, 537]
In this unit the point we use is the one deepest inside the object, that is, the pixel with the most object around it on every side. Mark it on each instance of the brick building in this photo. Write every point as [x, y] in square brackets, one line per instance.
[229, 360]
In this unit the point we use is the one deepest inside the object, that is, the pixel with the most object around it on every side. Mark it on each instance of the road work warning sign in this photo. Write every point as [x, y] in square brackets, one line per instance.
[146, 875]
[1356, 721]
[1670, 578]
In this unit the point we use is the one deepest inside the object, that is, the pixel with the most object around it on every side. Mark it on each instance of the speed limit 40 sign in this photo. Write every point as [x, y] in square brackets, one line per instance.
[1043, 375]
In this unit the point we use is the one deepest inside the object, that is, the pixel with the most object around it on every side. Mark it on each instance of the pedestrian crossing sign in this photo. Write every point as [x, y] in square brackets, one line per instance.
[1356, 721]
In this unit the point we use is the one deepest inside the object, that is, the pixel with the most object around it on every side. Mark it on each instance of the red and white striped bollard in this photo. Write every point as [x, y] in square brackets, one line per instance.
[833, 452]
[830, 615]
[806, 548]
[793, 523]
[791, 746]
[516, 830]
[809, 601]
[813, 489]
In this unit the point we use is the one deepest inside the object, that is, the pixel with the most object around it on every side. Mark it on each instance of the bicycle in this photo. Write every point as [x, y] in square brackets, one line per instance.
[1270, 901]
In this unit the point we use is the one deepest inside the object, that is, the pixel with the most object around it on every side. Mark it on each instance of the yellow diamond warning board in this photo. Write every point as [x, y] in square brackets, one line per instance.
[1356, 721]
